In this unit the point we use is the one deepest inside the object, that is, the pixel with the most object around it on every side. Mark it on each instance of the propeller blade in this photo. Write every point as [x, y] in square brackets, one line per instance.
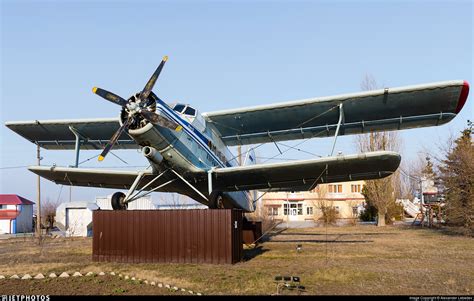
[151, 82]
[110, 96]
[160, 120]
[113, 140]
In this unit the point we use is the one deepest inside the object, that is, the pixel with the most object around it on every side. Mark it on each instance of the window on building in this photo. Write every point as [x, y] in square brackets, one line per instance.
[355, 188]
[335, 188]
[309, 210]
[300, 209]
[3, 207]
[272, 211]
[285, 209]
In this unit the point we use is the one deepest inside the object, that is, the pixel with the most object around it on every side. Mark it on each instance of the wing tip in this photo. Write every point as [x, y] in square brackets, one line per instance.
[462, 96]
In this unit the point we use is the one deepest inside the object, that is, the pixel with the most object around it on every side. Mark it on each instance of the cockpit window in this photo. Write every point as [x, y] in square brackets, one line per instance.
[190, 111]
[179, 107]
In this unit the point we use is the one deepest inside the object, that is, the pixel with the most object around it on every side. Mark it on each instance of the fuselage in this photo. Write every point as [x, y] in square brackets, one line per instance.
[192, 150]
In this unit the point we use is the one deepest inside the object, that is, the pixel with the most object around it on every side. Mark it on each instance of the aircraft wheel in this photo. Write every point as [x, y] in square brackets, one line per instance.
[117, 201]
[216, 200]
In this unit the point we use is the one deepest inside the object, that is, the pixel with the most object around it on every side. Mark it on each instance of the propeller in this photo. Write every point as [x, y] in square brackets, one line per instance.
[110, 96]
[138, 105]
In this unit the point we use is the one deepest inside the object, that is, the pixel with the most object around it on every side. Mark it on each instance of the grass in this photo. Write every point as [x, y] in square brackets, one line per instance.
[351, 260]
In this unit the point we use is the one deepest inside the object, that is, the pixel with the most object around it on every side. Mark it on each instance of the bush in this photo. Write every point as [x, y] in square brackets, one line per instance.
[329, 215]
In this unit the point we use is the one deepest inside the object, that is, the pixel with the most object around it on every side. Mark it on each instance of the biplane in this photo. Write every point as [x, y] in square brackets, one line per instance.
[188, 151]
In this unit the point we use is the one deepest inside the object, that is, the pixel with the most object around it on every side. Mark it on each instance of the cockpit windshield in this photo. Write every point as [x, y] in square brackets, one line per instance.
[179, 107]
[190, 114]
[185, 109]
[190, 111]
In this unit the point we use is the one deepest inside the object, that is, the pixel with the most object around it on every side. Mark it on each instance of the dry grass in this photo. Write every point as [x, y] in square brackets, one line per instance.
[335, 260]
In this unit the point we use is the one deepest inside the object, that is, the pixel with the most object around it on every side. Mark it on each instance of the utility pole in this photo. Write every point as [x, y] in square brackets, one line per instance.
[239, 153]
[38, 192]
[422, 201]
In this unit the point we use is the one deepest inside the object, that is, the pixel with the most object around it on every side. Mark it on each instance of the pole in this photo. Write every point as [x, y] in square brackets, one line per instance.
[239, 153]
[38, 195]
[288, 210]
[422, 202]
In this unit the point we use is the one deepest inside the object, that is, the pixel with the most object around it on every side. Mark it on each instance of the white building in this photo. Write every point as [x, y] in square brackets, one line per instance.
[171, 201]
[344, 197]
[75, 218]
[144, 203]
[16, 214]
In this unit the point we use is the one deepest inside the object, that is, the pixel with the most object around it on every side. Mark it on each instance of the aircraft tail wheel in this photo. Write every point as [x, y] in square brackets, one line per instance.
[216, 200]
[117, 201]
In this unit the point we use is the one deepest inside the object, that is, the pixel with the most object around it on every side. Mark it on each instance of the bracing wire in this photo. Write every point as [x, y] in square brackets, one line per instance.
[298, 144]
[294, 147]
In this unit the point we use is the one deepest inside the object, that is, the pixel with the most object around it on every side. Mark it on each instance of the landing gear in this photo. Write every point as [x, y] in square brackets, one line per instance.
[118, 201]
[216, 200]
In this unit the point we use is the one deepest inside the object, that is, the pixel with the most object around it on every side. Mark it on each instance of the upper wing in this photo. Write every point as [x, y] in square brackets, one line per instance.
[377, 110]
[58, 134]
[306, 174]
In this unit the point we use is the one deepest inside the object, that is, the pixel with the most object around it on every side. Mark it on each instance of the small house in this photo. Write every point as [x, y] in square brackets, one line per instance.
[16, 214]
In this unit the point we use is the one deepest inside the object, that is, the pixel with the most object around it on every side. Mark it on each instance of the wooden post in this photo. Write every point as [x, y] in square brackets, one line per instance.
[38, 195]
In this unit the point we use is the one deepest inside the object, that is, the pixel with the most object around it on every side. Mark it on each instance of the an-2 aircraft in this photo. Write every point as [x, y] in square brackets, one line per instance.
[188, 151]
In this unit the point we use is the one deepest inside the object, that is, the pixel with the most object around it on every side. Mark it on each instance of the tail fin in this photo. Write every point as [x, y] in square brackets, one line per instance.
[250, 157]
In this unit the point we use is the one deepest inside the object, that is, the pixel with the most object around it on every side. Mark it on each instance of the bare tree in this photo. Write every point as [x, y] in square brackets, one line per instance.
[410, 182]
[48, 213]
[172, 200]
[329, 213]
[175, 201]
[326, 211]
[380, 193]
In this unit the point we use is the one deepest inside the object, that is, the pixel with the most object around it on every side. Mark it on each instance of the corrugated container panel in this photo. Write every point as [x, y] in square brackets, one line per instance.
[251, 231]
[181, 236]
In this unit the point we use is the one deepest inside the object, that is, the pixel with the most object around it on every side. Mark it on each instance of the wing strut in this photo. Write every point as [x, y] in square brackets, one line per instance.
[190, 185]
[77, 145]
[209, 179]
[341, 120]
[131, 196]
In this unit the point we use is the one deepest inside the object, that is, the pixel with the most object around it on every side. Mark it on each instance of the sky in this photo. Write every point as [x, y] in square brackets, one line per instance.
[222, 55]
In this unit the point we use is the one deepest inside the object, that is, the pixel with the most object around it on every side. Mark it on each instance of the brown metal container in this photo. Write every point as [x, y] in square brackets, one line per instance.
[181, 236]
[252, 231]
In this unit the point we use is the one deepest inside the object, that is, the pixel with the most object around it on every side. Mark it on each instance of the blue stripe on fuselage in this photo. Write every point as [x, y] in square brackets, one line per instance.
[196, 134]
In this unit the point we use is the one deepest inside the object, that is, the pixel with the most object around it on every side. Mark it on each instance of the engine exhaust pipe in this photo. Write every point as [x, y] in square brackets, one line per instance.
[152, 154]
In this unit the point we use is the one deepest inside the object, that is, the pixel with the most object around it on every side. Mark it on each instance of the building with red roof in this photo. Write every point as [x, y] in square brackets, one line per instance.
[16, 214]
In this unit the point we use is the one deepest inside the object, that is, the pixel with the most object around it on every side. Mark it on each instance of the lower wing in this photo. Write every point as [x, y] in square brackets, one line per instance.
[306, 174]
[117, 179]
